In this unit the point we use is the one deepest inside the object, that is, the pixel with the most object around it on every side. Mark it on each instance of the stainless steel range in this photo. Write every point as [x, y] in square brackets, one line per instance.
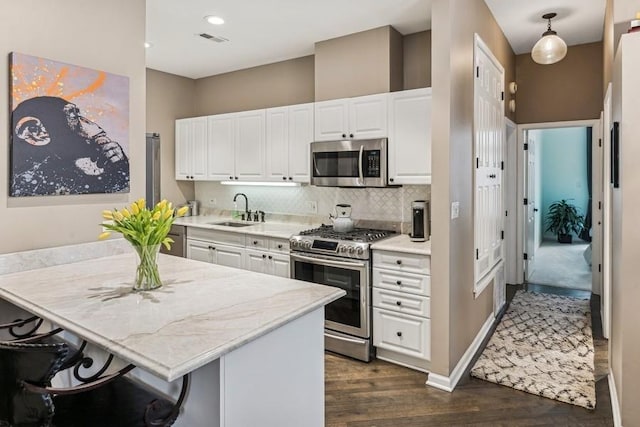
[337, 259]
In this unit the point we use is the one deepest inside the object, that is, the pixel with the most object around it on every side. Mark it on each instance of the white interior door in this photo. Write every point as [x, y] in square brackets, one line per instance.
[510, 176]
[488, 143]
[530, 209]
[605, 300]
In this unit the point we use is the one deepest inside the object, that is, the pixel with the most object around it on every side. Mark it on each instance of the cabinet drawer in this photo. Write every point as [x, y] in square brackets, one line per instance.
[402, 333]
[412, 263]
[401, 302]
[257, 242]
[218, 236]
[400, 281]
[279, 245]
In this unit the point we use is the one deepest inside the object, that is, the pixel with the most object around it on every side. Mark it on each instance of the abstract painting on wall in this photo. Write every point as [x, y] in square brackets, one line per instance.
[69, 129]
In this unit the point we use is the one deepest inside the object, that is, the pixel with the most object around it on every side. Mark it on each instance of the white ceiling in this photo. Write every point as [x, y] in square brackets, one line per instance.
[266, 31]
[578, 21]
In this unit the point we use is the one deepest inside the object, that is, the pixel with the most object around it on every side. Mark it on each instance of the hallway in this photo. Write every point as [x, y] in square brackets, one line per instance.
[381, 394]
[562, 265]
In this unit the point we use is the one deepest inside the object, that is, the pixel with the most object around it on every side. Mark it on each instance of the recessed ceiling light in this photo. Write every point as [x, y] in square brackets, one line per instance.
[215, 20]
[147, 45]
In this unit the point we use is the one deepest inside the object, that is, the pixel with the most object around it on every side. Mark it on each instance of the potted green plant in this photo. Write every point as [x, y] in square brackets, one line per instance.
[562, 219]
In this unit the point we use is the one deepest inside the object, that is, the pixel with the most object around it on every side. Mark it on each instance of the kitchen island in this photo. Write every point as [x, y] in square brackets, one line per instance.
[252, 343]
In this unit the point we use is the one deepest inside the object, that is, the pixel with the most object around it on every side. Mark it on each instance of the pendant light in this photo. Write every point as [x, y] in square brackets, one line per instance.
[550, 48]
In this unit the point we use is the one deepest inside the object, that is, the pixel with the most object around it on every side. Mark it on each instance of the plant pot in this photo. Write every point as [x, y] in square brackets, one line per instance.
[565, 238]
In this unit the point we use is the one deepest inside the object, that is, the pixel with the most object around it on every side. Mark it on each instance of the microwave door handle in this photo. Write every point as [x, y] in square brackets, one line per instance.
[315, 166]
[360, 161]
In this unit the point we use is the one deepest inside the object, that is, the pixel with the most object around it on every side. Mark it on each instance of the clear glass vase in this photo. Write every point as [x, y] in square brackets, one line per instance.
[147, 275]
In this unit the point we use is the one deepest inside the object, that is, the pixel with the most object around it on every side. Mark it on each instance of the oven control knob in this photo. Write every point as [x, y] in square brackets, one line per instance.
[342, 248]
[359, 251]
[351, 250]
[307, 245]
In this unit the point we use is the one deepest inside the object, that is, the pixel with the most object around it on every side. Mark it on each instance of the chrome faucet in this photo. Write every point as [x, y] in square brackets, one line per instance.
[246, 204]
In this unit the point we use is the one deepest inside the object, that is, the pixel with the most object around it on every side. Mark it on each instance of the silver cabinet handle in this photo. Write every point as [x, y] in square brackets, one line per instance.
[360, 161]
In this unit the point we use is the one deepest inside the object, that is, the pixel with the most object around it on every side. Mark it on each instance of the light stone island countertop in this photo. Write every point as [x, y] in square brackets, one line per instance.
[202, 312]
[402, 243]
[282, 230]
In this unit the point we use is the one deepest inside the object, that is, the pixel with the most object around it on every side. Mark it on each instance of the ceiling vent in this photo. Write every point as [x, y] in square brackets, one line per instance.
[217, 39]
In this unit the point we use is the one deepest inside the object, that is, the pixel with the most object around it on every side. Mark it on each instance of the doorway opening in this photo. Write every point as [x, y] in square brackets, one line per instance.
[559, 178]
[561, 171]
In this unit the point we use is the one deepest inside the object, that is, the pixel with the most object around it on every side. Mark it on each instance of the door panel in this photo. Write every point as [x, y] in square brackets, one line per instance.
[488, 144]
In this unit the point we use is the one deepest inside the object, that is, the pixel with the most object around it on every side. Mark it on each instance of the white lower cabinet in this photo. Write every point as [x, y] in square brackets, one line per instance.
[267, 255]
[267, 262]
[215, 253]
[402, 308]
[261, 254]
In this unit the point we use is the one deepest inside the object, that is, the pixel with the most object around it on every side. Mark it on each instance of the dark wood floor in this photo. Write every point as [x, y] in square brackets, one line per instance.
[380, 394]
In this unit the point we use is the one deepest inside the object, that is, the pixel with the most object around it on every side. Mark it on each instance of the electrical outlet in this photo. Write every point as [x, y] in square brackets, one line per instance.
[312, 206]
[213, 202]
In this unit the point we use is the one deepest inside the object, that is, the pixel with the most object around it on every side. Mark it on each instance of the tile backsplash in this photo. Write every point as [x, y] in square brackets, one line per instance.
[378, 204]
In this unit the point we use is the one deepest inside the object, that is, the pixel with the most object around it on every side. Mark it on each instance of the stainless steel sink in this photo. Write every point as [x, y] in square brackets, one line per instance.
[231, 224]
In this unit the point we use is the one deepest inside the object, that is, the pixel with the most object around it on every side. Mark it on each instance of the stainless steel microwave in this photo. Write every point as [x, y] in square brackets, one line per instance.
[349, 163]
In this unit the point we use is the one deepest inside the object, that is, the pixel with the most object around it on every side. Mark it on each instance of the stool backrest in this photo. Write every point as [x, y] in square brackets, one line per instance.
[37, 364]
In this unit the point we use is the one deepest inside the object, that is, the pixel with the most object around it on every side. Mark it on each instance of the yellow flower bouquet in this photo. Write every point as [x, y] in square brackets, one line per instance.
[146, 230]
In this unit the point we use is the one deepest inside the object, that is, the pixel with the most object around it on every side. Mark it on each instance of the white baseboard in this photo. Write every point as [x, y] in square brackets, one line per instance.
[615, 403]
[449, 383]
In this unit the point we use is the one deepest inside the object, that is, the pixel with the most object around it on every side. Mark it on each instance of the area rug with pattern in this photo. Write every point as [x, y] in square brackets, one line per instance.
[543, 345]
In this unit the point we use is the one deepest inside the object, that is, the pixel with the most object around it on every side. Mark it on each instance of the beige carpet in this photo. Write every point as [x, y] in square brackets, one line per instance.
[562, 265]
[544, 346]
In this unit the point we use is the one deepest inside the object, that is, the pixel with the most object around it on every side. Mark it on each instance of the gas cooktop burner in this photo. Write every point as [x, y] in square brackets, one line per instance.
[356, 235]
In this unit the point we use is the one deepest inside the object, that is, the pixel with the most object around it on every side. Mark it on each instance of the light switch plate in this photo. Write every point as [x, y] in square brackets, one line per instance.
[312, 206]
[455, 210]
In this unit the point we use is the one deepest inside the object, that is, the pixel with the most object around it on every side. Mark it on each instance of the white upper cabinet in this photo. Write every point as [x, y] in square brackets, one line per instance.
[236, 146]
[191, 148]
[410, 137]
[289, 133]
[221, 157]
[351, 118]
[249, 145]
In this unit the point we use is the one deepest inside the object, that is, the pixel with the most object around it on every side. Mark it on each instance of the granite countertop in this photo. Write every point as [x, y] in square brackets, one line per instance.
[202, 312]
[402, 243]
[282, 230]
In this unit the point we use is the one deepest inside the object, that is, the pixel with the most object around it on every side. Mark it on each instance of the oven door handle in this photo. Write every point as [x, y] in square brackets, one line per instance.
[329, 262]
[360, 162]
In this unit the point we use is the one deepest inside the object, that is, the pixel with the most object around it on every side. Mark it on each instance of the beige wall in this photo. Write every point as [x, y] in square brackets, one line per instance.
[169, 97]
[625, 335]
[359, 64]
[67, 32]
[566, 90]
[457, 317]
[282, 83]
[417, 60]
[607, 47]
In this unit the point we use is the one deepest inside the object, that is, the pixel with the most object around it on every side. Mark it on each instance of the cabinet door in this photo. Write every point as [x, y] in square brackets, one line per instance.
[368, 116]
[221, 153]
[199, 148]
[183, 149]
[280, 265]
[256, 261]
[249, 145]
[401, 333]
[331, 120]
[300, 137]
[410, 137]
[230, 256]
[277, 143]
[200, 251]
